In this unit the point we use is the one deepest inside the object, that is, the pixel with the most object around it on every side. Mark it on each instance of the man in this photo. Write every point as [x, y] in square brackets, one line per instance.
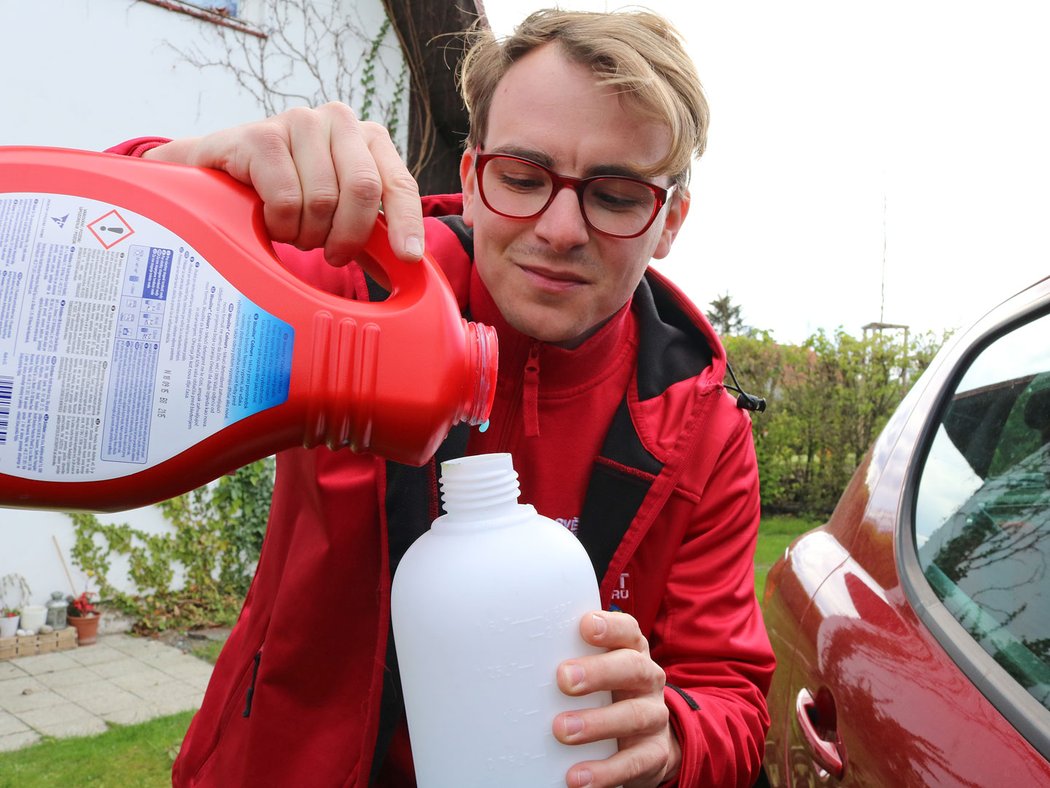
[609, 397]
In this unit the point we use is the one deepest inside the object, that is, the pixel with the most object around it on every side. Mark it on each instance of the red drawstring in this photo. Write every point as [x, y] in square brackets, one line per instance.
[531, 393]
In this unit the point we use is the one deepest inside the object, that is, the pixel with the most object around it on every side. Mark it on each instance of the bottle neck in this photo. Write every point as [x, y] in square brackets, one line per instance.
[479, 487]
[481, 365]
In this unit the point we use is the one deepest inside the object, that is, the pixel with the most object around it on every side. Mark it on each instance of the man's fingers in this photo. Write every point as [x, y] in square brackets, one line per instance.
[639, 716]
[624, 671]
[371, 174]
[401, 204]
[613, 630]
[322, 176]
[309, 137]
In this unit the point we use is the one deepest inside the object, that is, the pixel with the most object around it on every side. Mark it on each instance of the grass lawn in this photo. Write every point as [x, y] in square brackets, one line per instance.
[775, 533]
[126, 756]
[140, 756]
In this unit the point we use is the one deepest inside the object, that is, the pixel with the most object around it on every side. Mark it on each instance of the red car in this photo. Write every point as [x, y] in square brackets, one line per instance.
[912, 630]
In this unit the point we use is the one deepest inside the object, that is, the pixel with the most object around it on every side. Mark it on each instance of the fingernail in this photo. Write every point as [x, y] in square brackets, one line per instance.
[583, 778]
[599, 625]
[575, 675]
[414, 246]
[573, 725]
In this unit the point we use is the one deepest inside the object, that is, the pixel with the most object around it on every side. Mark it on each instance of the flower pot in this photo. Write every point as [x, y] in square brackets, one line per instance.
[86, 627]
[33, 617]
[8, 626]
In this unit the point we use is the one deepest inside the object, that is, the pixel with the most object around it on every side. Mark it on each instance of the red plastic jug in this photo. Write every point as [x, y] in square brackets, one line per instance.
[150, 340]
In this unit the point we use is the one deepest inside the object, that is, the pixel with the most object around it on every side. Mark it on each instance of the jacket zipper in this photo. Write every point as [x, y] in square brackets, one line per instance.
[517, 402]
[250, 694]
[530, 400]
[689, 699]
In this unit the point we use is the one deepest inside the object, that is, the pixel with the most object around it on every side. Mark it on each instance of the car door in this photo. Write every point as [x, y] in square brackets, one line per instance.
[915, 623]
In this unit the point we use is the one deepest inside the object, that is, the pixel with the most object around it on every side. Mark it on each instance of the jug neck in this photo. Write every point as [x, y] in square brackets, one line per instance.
[480, 487]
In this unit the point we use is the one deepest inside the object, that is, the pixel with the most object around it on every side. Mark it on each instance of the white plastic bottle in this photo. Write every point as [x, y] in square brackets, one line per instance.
[485, 606]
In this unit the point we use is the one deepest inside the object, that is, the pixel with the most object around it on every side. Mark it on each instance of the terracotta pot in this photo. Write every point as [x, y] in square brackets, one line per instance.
[86, 627]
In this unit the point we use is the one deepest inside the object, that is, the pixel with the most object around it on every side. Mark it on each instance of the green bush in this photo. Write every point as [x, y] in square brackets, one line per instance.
[827, 401]
[217, 532]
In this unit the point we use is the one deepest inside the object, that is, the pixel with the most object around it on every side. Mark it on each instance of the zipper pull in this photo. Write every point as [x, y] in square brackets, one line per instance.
[531, 392]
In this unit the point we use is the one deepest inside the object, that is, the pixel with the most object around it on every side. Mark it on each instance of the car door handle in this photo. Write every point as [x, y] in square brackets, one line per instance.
[827, 754]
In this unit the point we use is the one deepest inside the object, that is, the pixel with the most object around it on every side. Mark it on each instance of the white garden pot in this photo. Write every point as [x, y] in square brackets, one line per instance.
[8, 626]
[33, 617]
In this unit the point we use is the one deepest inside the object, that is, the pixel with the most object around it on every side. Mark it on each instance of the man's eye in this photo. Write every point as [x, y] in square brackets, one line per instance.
[618, 198]
[521, 181]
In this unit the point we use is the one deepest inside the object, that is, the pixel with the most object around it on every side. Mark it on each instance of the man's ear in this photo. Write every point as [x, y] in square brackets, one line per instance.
[468, 179]
[677, 209]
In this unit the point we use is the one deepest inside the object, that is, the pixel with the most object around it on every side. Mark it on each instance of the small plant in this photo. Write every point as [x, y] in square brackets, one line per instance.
[9, 584]
[81, 607]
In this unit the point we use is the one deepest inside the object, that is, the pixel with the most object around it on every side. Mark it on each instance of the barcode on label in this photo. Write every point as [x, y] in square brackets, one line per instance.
[7, 387]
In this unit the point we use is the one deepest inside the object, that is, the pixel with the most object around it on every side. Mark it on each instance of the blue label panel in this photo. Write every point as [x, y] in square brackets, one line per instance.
[261, 369]
[158, 273]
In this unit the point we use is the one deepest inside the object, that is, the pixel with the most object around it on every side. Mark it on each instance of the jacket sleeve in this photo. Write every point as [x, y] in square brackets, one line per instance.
[709, 636]
[137, 146]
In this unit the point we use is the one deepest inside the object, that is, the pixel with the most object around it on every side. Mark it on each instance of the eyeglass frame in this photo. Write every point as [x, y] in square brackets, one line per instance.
[661, 195]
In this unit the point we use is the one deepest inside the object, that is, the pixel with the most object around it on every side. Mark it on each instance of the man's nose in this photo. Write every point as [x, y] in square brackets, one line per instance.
[562, 224]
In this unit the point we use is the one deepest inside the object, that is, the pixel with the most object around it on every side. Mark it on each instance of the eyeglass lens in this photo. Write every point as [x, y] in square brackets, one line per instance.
[614, 205]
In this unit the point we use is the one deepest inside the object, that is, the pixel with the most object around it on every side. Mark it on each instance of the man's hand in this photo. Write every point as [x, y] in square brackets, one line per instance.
[638, 718]
[322, 175]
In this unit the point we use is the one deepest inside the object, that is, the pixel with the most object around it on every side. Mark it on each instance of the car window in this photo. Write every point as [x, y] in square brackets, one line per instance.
[982, 516]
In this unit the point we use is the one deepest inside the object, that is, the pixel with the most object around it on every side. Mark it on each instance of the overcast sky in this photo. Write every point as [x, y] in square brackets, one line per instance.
[842, 129]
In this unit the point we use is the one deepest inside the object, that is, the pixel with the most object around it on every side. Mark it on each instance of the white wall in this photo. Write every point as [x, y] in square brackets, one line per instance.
[89, 74]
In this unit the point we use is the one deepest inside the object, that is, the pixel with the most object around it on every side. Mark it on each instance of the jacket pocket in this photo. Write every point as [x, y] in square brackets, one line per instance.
[217, 730]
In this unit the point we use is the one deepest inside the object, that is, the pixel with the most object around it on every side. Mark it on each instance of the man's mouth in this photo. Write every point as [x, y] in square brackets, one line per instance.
[552, 278]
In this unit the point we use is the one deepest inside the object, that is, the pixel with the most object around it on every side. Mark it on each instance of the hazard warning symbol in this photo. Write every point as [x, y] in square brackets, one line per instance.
[110, 229]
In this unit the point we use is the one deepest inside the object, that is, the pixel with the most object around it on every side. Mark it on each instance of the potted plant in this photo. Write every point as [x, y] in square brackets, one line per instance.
[9, 609]
[83, 615]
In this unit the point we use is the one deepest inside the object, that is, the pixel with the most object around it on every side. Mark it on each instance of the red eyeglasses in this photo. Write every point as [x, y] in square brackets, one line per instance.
[612, 205]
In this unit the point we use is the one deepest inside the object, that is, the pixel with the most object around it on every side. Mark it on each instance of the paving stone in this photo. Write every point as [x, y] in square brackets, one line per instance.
[140, 648]
[16, 741]
[121, 680]
[39, 719]
[46, 663]
[36, 699]
[111, 701]
[159, 692]
[173, 704]
[9, 724]
[62, 678]
[124, 666]
[132, 715]
[143, 679]
[197, 674]
[95, 655]
[90, 687]
[10, 688]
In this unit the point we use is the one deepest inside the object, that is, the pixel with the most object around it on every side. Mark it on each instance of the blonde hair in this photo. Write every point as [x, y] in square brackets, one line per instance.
[636, 52]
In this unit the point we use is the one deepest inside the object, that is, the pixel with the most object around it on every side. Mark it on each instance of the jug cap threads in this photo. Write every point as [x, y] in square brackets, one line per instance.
[481, 366]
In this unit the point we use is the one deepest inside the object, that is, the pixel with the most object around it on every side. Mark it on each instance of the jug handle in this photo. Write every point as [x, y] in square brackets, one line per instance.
[399, 277]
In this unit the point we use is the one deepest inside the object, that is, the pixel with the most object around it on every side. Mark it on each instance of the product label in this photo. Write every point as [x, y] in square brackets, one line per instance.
[120, 346]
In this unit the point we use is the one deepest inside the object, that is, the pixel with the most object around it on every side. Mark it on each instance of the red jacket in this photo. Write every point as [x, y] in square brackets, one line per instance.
[669, 517]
